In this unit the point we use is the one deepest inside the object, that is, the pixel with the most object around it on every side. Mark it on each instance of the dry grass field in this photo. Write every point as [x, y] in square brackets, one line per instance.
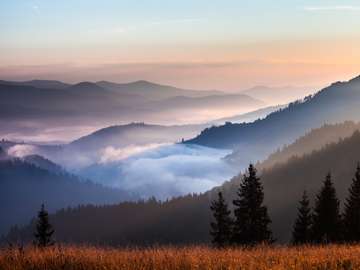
[88, 258]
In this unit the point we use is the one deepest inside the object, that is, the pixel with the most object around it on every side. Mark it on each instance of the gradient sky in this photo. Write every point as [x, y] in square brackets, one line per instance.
[224, 44]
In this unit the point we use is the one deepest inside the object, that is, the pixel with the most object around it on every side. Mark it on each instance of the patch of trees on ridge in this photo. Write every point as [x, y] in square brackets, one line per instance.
[249, 224]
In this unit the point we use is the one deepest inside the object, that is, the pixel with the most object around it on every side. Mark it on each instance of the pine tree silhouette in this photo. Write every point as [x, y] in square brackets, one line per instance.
[302, 228]
[221, 228]
[44, 230]
[352, 210]
[251, 217]
[326, 219]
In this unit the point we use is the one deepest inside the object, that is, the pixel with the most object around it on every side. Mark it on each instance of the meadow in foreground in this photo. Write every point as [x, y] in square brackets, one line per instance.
[262, 257]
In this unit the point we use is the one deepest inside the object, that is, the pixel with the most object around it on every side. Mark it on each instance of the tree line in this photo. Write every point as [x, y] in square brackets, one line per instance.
[249, 222]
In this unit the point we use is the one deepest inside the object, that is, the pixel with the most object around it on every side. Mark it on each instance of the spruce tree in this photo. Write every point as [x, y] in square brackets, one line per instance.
[251, 225]
[326, 219]
[221, 227]
[302, 228]
[44, 230]
[352, 210]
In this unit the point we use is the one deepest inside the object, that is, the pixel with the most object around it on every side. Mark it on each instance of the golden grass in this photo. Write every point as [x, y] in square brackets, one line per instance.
[259, 258]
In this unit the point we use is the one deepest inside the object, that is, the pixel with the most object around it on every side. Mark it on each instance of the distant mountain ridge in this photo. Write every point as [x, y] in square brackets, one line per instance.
[154, 90]
[52, 105]
[254, 141]
[47, 84]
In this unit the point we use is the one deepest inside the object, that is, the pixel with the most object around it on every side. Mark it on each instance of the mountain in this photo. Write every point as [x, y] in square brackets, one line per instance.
[89, 106]
[278, 95]
[133, 134]
[247, 117]
[314, 140]
[242, 102]
[91, 148]
[44, 164]
[47, 84]
[24, 186]
[154, 91]
[254, 141]
[185, 220]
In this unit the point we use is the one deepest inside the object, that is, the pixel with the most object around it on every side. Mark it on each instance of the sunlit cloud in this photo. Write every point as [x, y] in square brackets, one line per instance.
[21, 150]
[111, 154]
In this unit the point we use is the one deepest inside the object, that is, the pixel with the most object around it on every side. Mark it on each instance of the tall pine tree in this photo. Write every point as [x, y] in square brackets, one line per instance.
[352, 210]
[302, 228]
[326, 219]
[44, 230]
[221, 227]
[251, 225]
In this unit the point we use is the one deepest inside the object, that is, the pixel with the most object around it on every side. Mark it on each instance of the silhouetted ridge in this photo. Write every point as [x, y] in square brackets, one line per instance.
[47, 84]
[86, 86]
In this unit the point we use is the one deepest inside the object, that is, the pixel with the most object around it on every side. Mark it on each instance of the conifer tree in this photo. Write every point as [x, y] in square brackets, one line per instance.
[44, 230]
[251, 225]
[352, 210]
[326, 219]
[302, 228]
[221, 227]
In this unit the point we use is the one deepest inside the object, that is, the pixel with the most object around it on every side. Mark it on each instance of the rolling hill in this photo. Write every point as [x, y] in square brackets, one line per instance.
[27, 183]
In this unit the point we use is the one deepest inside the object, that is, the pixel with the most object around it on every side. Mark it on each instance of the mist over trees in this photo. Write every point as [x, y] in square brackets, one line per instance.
[187, 219]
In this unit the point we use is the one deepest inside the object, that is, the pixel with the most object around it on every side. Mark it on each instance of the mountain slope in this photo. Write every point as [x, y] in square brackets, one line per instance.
[248, 117]
[254, 141]
[134, 133]
[276, 95]
[314, 140]
[186, 219]
[25, 186]
[44, 164]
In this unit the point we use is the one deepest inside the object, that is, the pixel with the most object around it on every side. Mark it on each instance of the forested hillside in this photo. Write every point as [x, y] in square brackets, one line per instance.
[254, 141]
[313, 140]
[25, 186]
[186, 219]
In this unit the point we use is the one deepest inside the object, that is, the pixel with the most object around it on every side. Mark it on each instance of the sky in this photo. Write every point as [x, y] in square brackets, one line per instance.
[198, 44]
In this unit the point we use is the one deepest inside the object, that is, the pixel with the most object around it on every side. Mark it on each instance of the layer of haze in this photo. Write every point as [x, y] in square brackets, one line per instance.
[202, 44]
